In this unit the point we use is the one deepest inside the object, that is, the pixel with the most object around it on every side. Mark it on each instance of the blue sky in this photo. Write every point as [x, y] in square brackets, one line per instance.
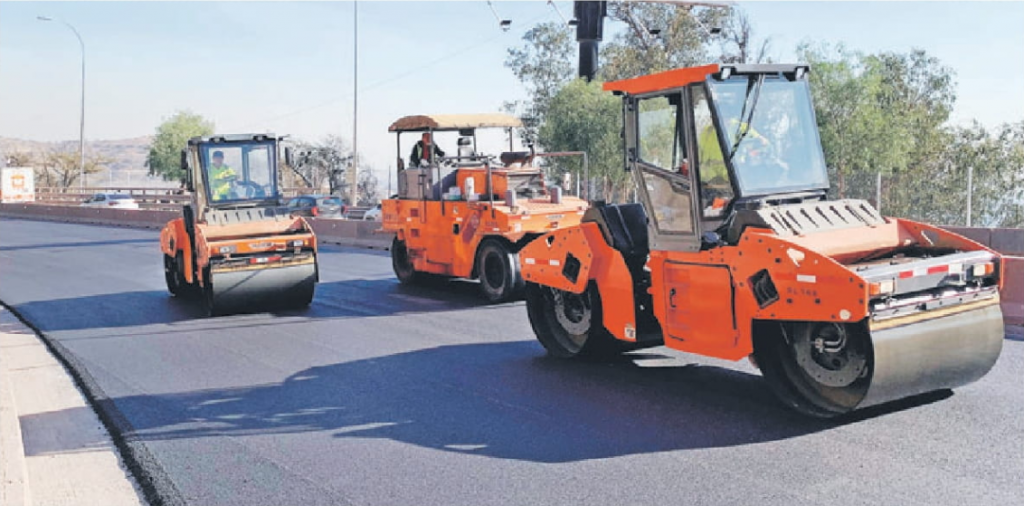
[287, 67]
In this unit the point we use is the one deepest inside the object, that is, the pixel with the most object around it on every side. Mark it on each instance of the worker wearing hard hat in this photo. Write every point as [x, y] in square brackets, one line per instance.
[221, 177]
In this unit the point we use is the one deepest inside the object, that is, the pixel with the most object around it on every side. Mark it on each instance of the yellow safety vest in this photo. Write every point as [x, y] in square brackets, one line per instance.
[220, 182]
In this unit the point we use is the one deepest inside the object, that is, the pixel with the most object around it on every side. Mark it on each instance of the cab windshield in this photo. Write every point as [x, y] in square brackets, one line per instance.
[240, 172]
[770, 134]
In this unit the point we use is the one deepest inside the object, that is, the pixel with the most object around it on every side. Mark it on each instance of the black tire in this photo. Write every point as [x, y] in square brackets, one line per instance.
[569, 325]
[497, 269]
[402, 264]
[792, 366]
[171, 275]
[174, 276]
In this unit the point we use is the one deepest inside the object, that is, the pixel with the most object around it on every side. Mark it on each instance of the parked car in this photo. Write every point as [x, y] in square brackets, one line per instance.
[373, 214]
[114, 200]
[320, 206]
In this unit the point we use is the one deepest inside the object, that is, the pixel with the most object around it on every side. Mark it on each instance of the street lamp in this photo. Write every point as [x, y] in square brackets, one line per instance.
[81, 125]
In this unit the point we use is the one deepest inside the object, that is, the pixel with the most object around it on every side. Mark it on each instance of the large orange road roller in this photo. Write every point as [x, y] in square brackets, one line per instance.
[735, 251]
[235, 247]
[465, 215]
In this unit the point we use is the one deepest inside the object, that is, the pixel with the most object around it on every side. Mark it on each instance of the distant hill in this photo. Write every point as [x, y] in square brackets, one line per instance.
[127, 168]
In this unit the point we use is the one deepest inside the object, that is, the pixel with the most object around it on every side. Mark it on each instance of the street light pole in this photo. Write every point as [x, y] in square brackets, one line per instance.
[354, 176]
[81, 117]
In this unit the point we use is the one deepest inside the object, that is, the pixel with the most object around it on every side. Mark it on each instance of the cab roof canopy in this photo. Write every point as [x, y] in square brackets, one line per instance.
[445, 122]
[219, 138]
[684, 76]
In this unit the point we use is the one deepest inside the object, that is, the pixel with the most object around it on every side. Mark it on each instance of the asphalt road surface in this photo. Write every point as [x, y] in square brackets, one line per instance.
[383, 394]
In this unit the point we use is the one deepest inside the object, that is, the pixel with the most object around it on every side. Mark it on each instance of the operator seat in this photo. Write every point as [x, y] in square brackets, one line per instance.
[466, 147]
[624, 226]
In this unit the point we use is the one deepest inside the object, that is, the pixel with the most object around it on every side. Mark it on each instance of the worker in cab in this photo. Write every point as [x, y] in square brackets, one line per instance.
[424, 150]
[221, 177]
[712, 160]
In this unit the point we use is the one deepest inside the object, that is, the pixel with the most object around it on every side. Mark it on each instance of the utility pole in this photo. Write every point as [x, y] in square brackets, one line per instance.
[970, 192]
[353, 177]
[878, 192]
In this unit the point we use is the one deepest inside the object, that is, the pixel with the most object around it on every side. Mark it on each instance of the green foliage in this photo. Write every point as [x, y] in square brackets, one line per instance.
[998, 180]
[887, 113]
[679, 41]
[882, 113]
[544, 63]
[172, 136]
[583, 117]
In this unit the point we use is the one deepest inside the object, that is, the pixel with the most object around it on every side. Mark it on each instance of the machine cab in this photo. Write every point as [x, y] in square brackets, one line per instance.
[430, 167]
[234, 171]
[702, 142]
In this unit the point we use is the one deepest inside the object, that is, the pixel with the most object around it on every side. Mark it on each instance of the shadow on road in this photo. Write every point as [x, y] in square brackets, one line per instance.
[340, 299]
[80, 244]
[501, 400]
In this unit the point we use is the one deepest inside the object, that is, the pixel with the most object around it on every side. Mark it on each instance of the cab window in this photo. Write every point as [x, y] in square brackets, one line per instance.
[715, 187]
[664, 165]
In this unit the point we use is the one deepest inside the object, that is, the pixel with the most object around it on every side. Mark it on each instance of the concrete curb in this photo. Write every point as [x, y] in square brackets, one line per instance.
[14, 486]
[155, 487]
[64, 454]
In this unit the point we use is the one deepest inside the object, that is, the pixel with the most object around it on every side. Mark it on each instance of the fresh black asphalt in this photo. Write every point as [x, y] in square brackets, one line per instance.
[382, 394]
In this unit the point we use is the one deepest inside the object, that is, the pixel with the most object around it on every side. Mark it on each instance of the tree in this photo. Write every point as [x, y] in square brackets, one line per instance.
[582, 117]
[60, 167]
[738, 43]
[20, 159]
[997, 160]
[658, 37]
[880, 114]
[172, 136]
[544, 63]
[368, 187]
[323, 163]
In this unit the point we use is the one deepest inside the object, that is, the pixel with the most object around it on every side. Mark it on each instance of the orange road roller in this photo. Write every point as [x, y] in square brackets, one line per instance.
[735, 251]
[462, 214]
[235, 248]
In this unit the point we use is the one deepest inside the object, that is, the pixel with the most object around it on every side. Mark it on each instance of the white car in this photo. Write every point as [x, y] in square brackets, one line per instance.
[111, 200]
[373, 214]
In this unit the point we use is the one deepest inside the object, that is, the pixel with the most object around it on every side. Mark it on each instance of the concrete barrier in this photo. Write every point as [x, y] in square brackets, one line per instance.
[363, 234]
[1008, 241]
[1013, 290]
[134, 218]
[343, 232]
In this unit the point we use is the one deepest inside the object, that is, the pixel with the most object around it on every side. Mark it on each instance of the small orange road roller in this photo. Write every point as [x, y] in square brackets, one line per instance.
[235, 248]
[465, 215]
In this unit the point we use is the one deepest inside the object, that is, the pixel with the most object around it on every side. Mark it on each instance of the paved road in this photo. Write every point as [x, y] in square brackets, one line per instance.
[380, 394]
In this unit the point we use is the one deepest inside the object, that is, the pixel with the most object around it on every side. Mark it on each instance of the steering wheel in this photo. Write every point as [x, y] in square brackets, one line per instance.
[247, 190]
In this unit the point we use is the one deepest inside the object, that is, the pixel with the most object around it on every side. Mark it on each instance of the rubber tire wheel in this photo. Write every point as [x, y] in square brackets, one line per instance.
[497, 269]
[174, 275]
[400, 263]
[786, 379]
[595, 342]
[171, 276]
